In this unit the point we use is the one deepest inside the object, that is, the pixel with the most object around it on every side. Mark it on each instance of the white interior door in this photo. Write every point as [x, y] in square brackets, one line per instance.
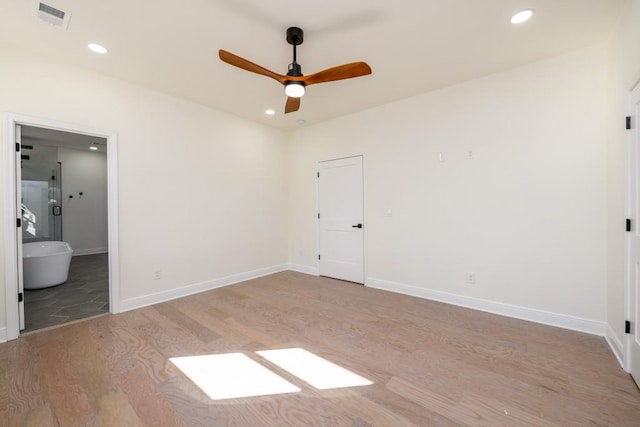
[341, 209]
[19, 229]
[634, 246]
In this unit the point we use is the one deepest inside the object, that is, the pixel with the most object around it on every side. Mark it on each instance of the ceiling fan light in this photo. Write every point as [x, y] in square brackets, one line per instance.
[294, 89]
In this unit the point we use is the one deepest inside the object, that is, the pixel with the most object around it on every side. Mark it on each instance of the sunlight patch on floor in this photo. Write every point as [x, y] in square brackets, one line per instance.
[312, 369]
[232, 375]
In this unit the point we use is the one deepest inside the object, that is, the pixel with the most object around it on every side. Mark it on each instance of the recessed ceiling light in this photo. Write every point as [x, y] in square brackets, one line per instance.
[97, 48]
[301, 121]
[93, 148]
[269, 112]
[522, 16]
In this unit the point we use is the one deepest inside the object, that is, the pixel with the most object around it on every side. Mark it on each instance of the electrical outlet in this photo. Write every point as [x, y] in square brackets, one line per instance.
[471, 278]
[157, 275]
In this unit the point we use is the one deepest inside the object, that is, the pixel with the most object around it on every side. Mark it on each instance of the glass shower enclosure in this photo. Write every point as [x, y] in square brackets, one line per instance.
[41, 201]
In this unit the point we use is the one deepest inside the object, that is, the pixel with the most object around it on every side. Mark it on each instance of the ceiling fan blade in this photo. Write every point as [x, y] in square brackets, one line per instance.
[341, 72]
[245, 64]
[293, 104]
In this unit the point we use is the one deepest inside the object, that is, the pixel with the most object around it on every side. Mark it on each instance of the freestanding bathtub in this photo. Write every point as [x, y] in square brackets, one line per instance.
[45, 264]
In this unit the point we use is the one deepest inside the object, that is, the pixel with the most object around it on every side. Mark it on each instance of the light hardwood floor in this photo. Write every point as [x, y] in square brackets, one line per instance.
[431, 364]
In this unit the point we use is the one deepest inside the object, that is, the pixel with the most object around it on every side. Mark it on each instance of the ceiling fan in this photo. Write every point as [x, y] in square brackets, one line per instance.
[294, 81]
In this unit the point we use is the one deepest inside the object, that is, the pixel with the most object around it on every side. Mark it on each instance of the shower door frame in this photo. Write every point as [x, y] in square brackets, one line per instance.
[54, 221]
[12, 234]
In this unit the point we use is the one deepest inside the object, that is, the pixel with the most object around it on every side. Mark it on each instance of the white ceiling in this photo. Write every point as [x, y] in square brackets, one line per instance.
[413, 46]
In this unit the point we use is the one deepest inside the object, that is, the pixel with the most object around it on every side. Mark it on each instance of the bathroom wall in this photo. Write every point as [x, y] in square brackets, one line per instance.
[84, 217]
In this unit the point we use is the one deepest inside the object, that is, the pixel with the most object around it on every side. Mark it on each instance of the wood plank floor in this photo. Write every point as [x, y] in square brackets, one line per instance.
[431, 364]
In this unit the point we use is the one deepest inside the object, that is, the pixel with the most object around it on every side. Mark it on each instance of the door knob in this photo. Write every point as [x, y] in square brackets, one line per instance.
[357, 226]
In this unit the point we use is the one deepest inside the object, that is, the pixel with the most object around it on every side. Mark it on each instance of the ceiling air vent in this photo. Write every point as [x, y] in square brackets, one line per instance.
[51, 15]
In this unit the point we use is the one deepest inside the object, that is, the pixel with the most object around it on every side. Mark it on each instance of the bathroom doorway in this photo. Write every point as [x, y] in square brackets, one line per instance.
[63, 199]
[72, 198]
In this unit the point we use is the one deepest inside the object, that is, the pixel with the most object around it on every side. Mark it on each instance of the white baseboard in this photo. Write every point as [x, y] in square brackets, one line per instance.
[3, 335]
[184, 291]
[313, 271]
[90, 251]
[616, 345]
[533, 315]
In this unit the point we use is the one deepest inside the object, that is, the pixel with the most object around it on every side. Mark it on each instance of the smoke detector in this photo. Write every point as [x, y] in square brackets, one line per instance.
[52, 15]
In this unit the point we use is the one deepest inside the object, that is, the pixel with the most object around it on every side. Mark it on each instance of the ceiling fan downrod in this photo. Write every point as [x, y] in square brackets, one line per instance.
[295, 37]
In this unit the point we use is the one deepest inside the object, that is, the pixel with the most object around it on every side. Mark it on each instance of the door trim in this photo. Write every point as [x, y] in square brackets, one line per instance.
[365, 231]
[10, 203]
[628, 315]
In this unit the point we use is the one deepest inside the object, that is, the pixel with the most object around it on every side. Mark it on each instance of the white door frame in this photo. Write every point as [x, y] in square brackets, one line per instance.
[10, 203]
[364, 210]
[628, 315]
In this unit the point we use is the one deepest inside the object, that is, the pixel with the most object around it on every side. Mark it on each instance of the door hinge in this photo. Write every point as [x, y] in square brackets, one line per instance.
[17, 147]
[318, 174]
[20, 296]
[318, 215]
[628, 122]
[18, 223]
[627, 327]
[318, 257]
[628, 226]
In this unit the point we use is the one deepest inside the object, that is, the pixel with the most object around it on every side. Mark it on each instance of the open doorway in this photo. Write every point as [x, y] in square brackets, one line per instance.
[70, 201]
[64, 208]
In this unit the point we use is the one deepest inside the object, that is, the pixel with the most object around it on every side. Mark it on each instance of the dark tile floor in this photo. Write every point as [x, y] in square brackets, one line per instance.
[84, 294]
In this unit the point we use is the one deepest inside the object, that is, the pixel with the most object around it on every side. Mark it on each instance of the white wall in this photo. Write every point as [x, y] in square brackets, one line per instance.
[624, 70]
[527, 214]
[202, 194]
[84, 218]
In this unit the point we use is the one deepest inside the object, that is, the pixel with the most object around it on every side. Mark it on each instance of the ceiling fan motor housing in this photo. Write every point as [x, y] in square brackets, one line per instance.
[295, 70]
